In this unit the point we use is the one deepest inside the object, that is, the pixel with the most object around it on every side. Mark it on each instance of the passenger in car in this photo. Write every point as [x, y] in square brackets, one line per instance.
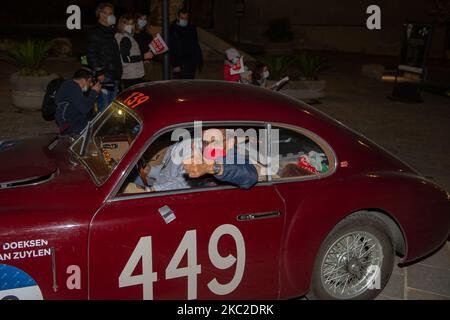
[215, 161]
[169, 174]
[180, 169]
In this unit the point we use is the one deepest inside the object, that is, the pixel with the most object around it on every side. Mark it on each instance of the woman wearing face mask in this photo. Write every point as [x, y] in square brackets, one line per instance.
[260, 75]
[231, 60]
[132, 58]
[142, 33]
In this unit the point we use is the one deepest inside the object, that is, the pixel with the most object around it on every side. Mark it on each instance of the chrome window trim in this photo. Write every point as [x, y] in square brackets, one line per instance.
[115, 190]
[114, 197]
[325, 146]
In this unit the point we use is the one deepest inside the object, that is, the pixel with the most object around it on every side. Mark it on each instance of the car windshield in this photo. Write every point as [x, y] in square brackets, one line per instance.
[106, 140]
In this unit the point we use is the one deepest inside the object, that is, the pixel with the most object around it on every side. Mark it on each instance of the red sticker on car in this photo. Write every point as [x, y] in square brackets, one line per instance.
[135, 99]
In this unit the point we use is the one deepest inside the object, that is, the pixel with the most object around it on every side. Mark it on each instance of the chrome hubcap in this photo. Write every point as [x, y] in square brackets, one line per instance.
[352, 265]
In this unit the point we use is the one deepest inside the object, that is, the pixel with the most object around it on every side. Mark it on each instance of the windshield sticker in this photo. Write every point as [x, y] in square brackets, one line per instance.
[16, 284]
[24, 249]
[135, 99]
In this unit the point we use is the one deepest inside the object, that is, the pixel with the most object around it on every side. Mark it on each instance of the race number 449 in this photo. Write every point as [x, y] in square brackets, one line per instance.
[188, 245]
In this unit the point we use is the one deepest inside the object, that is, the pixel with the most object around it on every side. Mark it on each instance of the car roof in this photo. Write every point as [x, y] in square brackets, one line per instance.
[179, 101]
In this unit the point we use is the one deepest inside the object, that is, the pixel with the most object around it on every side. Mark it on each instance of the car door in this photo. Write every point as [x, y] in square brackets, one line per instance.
[207, 243]
[221, 244]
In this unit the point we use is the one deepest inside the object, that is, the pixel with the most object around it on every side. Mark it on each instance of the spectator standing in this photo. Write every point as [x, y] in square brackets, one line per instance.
[132, 59]
[103, 52]
[142, 33]
[232, 58]
[185, 53]
[143, 36]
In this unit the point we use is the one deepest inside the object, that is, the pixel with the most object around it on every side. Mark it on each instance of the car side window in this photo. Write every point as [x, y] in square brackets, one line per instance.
[159, 171]
[299, 156]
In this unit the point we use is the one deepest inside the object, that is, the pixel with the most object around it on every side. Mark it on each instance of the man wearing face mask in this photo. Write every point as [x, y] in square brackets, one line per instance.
[103, 52]
[75, 102]
[180, 170]
[185, 53]
[218, 150]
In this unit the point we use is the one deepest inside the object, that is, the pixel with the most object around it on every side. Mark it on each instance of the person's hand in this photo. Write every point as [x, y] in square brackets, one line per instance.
[198, 170]
[176, 69]
[148, 55]
[197, 165]
[97, 87]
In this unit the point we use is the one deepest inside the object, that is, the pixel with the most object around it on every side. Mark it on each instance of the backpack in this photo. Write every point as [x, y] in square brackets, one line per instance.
[49, 103]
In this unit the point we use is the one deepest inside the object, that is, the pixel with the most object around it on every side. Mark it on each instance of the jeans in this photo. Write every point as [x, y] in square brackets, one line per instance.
[107, 95]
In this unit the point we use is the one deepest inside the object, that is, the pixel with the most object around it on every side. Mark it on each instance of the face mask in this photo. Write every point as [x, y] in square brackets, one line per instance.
[129, 29]
[85, 89]
[183, 23]
[111, 20]
[142, 23]
[235, 60]
[266, 74]
[211, 153]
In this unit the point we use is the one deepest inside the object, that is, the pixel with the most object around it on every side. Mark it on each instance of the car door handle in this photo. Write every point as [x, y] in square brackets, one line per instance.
[255, 216]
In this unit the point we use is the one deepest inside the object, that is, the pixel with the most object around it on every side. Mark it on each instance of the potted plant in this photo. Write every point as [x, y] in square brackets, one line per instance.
[277, 65]
[309, 87]
[28, 85]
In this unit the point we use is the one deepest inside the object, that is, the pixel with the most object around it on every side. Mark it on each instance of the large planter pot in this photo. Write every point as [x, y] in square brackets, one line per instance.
[307, 90]
[28, 92]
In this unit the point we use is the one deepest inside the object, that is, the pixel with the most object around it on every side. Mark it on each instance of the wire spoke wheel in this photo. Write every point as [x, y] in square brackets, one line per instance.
[351, 265]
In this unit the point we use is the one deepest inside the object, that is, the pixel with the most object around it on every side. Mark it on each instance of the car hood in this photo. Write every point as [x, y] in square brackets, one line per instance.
[26, 161]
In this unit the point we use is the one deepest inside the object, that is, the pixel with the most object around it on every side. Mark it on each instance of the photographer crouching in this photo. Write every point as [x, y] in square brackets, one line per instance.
[75, 101]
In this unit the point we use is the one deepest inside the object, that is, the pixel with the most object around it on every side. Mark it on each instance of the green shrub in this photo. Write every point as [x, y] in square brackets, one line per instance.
[310, 64]
[29, 56]
[277, 65]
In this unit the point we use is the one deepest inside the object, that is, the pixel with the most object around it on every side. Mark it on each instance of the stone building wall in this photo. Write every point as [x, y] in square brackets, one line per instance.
[328, 24]
[156, 10]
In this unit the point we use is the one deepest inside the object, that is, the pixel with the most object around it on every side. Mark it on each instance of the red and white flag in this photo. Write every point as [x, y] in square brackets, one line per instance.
[158, 46]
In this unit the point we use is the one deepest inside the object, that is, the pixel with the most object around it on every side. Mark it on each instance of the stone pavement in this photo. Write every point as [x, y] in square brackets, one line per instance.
[417, 133]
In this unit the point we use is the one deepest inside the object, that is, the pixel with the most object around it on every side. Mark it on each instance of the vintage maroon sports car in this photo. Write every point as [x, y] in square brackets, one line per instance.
[326, 222]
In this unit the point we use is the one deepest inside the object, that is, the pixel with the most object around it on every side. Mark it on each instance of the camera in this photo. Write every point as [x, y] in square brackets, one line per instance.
[98, 72]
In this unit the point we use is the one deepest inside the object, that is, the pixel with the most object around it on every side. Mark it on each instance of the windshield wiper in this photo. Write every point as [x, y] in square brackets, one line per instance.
[87, 138]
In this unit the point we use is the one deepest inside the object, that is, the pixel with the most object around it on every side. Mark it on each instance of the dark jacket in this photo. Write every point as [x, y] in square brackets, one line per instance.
[241, 172]
[74, 109]
[183, 45]
[143, 39]
[103, 51]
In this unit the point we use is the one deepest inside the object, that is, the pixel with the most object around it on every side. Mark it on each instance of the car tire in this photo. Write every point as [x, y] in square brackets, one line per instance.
[355, 261]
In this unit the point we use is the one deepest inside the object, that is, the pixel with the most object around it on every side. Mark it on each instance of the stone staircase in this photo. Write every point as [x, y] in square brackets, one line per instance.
[213, 47]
